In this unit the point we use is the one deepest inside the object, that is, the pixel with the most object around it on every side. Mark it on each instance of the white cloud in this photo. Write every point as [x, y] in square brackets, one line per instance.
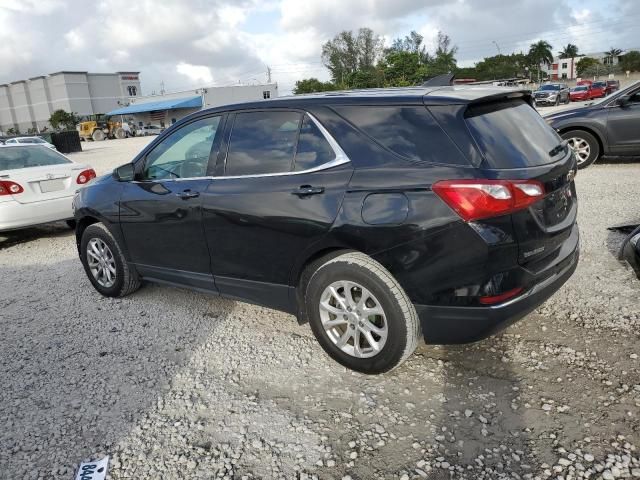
[195, 73]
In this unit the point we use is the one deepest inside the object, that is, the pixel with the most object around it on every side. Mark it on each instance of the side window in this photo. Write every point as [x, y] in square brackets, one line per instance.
[262, 142]
[409, 131]
[313, 149]
[183, 154]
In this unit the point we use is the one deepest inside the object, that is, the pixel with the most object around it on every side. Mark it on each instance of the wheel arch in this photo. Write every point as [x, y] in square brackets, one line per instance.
[81, 226]
[592, 131]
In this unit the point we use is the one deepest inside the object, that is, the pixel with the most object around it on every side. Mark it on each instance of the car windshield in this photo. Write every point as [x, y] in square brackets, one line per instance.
[599, 84]
[550, 87]
[617, 94]
[578, 89]
[13, 158]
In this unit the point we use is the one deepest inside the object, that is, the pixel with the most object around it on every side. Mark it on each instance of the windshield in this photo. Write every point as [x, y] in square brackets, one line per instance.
[578, 89]
[620, 93]
[550, 87]
[599, 84]
[14, 158]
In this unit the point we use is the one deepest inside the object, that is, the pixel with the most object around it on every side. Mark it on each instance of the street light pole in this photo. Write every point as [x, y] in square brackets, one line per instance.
[497, 46]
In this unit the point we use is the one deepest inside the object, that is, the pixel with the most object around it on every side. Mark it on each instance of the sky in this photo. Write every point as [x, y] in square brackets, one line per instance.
[184, 44]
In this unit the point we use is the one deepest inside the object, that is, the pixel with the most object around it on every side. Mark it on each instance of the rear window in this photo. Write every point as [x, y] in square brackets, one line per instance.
[511, 134]
[408, 131]
[14, 158]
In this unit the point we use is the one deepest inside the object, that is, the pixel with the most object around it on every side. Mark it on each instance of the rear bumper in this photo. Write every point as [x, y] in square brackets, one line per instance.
[15, 215]
[451, 325]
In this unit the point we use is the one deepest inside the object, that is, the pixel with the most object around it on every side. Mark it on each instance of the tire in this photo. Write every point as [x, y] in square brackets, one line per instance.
[119, 133]
[71, 224]
[585, 145]
[124, 281]
[98, 135]
[396, 324]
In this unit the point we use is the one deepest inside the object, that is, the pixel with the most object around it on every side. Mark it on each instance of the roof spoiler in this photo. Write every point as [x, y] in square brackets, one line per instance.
[440, 80]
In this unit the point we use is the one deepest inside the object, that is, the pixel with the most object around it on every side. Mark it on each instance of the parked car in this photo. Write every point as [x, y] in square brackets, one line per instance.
[598, 89]
[552, 94]
[29, 141]
[612, 86]
[378, 216]
[149, 130]
[609, 126]
[580, 93]
[37, 186]
[585, 82]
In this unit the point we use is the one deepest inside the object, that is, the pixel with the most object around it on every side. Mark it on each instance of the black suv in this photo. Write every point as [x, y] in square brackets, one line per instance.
[377, 216]
[609, 126]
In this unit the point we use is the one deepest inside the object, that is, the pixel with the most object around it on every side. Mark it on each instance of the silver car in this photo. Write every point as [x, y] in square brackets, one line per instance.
[29, 141]
[37, 185]
[552, 94]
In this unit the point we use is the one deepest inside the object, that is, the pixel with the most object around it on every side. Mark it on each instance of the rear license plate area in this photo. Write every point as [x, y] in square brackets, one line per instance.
[47, 186]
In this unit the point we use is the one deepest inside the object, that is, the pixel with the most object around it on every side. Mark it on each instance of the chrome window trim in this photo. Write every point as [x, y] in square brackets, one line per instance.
[340, 159]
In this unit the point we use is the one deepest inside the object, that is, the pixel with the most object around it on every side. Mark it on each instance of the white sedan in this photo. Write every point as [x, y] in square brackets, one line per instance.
[37, 186]
[29, 141]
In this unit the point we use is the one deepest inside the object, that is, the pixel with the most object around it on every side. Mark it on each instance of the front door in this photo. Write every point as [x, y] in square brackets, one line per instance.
[281, 188]
[161, 211]
[623, 127]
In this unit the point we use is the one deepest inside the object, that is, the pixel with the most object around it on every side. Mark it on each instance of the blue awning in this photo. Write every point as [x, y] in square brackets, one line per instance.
[188, 102]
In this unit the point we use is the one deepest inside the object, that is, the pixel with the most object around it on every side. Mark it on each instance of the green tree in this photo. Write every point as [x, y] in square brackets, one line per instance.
[570, 51]
[348, 52]
[63, 120]
[612, 53]
[540, 54]
[498, 66]
[405, 62]
[587, 66]
[311, 85]
[630, 61]
[445, 57]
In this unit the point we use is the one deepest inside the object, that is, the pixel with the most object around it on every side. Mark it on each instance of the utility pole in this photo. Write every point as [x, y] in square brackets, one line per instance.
[268, 74]
[162, 87]
[498, 47]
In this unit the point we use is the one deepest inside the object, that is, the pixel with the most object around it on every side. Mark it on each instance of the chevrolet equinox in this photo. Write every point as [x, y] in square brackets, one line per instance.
[378, 216]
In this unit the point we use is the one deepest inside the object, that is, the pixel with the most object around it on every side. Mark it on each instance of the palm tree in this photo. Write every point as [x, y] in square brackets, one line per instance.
[611, 54]
[540, 54]
[570, 51]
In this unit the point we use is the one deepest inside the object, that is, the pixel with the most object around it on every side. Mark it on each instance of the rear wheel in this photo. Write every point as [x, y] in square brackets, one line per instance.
[98, 135]
[119, 133]
[360, 315]
[584, 145]
[105, 264]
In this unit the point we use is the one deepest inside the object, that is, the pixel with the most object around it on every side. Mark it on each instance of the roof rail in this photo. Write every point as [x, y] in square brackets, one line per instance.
[440, 80]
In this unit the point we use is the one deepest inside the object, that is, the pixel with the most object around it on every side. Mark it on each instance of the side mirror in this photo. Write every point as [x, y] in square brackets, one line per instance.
[125, 173]
[624, 102]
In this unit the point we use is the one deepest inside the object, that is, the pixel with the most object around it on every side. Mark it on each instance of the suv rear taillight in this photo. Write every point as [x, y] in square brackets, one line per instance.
[477, 199]
[10, 188]
[86, 176]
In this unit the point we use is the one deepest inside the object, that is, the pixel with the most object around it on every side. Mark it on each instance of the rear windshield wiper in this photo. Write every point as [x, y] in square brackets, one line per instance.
[561, 147]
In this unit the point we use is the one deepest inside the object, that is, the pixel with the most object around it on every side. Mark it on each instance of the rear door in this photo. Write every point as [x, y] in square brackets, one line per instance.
[517, 144]
[279, 187]
[43, 173]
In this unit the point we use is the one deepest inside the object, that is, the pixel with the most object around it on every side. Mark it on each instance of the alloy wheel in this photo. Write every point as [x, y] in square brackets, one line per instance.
[580, 147]
[353, 319]
[101, 262]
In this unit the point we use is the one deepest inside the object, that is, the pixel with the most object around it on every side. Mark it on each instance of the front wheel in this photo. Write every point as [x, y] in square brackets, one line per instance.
[105, 264]
[584, 145]
[360, 315]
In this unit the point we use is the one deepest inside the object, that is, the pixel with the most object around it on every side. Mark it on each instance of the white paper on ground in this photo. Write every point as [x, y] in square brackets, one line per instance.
[93, 470]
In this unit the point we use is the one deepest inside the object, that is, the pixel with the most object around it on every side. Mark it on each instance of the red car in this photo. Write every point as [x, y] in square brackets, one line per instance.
[581, 93]
[598, 89]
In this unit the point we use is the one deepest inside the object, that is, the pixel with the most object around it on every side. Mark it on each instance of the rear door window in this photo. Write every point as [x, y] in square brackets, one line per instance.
[512, 134]
[262, 143]
[408, 131]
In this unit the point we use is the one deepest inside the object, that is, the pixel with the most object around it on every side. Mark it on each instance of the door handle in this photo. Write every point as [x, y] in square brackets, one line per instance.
[187, 194]
[307, 190]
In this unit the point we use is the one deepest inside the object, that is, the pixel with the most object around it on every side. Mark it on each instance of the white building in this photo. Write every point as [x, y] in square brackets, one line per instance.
[166, 109]
[28, 104]
[566, 68]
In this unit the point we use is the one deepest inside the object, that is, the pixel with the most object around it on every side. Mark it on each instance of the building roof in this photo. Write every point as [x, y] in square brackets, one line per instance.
[175, 103]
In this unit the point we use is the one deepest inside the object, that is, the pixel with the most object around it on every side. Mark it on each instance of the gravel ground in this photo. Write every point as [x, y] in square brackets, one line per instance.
[176, 384]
